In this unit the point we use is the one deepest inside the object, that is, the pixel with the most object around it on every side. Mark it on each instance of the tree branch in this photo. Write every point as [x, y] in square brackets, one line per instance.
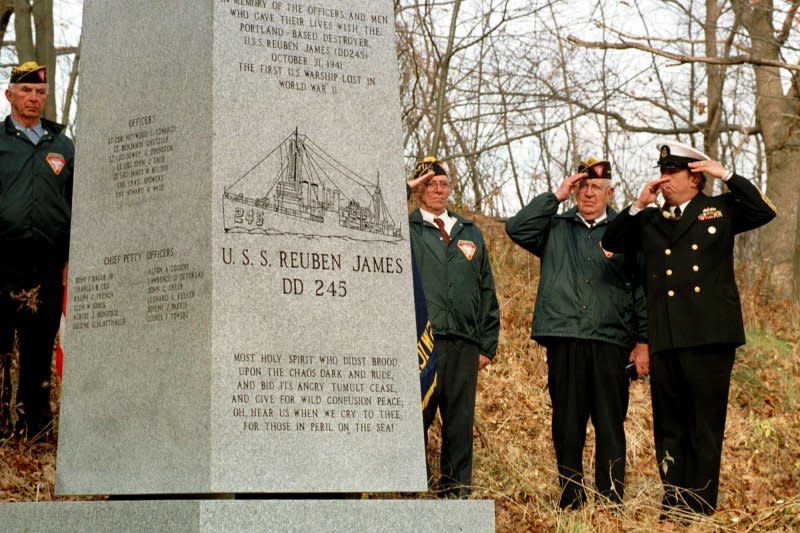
[680, 58]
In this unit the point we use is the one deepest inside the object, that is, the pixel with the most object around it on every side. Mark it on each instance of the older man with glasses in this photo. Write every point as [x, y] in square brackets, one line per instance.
[462, 307]
[590, 316]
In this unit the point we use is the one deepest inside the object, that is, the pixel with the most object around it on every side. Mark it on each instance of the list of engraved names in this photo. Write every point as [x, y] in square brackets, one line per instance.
[139, 158]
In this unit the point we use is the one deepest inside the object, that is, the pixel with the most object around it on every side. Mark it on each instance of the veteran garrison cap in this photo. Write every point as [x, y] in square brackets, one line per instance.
[673, 154]
[429, 163]
[588, 165]
[29, 72]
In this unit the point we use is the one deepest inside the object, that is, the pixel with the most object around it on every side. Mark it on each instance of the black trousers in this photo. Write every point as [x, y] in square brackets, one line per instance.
[587, 379]
[33, 313]
[689, 388]
[457, 382]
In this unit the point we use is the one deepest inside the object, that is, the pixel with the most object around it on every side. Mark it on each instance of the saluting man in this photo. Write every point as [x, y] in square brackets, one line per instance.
[695, 316]
[36, 161]
[590, 316]
[462, 307]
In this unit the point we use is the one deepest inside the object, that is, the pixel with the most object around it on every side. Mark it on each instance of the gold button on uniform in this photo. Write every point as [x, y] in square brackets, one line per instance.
[696, 268]
[697, 289]
[671, 293]
[694, 247]
[667, 251]
[669, 272]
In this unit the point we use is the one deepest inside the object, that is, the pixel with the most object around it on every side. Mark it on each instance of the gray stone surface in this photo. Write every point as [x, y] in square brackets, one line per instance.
[318, 516]
[240, 314]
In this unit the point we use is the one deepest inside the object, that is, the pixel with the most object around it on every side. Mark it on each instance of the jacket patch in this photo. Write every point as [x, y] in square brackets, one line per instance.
[709, 213]
[608, 254]
[56, 162]
[467, 248]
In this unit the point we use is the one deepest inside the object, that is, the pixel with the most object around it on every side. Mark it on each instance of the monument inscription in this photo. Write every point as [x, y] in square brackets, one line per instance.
[240, 268]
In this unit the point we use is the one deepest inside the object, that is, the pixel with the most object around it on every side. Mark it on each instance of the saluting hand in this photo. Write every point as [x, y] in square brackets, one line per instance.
[565, 189]
[649, 194]
[417, 185]
[710, 167]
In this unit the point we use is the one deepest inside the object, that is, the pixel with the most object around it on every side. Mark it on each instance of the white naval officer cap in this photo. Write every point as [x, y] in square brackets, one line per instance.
[674, 154]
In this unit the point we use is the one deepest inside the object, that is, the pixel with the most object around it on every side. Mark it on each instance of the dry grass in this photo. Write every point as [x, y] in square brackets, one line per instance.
[514, 458]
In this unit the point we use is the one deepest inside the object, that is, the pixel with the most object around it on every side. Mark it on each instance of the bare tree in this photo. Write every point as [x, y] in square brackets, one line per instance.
[775, 104]
[36, 16]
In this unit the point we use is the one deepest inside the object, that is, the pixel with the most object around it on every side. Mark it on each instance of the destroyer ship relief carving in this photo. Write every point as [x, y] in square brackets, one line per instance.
[299, 189]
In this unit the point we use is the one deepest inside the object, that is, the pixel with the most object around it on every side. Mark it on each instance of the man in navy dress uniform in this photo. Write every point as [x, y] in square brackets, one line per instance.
[695, 316]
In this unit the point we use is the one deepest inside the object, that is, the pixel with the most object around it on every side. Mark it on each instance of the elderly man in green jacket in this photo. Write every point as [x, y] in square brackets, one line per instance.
[463, 310]
[36, 161]
[590, 316]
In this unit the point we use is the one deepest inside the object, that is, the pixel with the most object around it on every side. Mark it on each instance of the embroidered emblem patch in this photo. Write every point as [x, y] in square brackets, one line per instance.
[56, 162]
[467, 248]
[709, 213]
[608, 254]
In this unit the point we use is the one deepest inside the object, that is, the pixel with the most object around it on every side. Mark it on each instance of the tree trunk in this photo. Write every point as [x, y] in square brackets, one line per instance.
[714, 75]
[45, 50]
[444, 69]
[23, 31]
[777, 114]
[6, 10]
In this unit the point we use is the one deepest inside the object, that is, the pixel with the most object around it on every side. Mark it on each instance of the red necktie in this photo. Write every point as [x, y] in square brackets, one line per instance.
[440, 224]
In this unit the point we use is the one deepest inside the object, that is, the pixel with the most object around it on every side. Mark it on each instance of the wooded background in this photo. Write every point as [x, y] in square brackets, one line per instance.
[511, 94]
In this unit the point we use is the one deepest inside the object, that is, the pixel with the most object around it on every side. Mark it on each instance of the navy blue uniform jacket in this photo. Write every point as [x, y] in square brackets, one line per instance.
[692, 298]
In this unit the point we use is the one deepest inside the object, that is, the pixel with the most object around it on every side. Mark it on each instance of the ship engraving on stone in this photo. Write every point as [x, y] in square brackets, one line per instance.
[299, 189]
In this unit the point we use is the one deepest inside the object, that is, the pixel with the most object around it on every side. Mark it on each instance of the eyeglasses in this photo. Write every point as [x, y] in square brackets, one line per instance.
[594, 187]
[443, 185]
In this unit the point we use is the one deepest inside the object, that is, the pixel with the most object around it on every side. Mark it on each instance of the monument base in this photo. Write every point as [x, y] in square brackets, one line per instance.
[251, 515]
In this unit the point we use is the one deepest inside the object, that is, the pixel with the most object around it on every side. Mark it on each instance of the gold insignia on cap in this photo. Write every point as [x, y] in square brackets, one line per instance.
[424, 166]
[29, 72]
[665, 151]
[28, 66]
